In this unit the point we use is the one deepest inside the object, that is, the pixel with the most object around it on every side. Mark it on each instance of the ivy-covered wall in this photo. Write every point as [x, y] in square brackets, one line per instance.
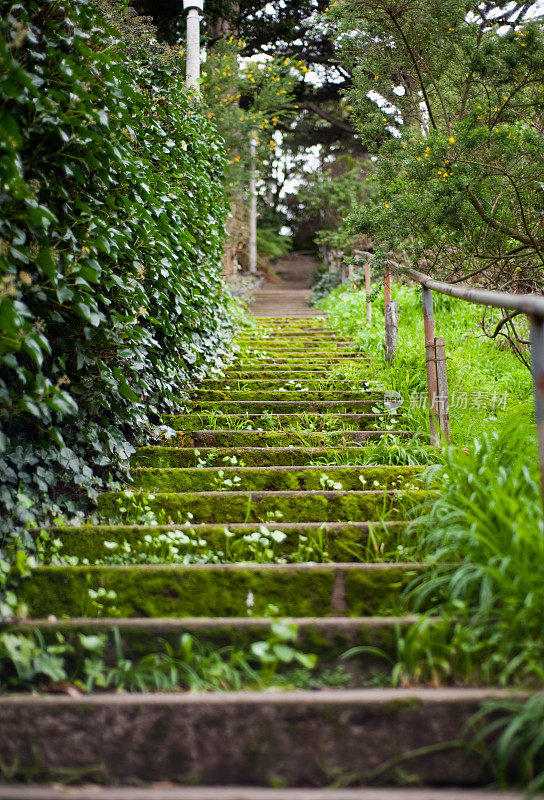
[111, 220]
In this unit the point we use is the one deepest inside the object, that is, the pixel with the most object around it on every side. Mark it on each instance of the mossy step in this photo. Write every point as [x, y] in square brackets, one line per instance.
[256, 739]
[223, 590]
[292, 362]
[275, 384]
[156, 456]
[268, 379]
[203, 479]
[283, 396]
[275, 422]
[327, 637]
[339, 540]
[292, 373]
[228, 438]
[278, 406]
[298, 353]
[259, 506]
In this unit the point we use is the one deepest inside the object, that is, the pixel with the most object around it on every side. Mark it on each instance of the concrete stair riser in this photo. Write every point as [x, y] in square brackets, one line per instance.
[328, 638]
[283, 738]
[266, 420]
[243, 506]
[340, 540]
[206, 479]
[251, 456]
[228, 438]
[205, 590]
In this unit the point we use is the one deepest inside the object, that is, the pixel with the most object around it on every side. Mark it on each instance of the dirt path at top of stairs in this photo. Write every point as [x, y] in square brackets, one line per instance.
[288, 296]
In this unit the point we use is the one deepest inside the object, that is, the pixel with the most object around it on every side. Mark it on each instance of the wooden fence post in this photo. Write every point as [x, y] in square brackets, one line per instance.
[386, 289]
[430, 360]
[368, 289]
[442, 388]
[391, 329]
[537, 366]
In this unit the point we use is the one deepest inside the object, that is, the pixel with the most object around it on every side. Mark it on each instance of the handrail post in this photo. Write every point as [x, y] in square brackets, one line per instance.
[537, 359]
[368, 289]
[386, 289]
[430, 362]
[442, 387]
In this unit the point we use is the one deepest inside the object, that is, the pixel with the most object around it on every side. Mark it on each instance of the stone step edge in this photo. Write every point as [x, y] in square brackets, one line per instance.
[235, 527]
[207, 623]
[243, 566]
[171, 792]
[227, 469]
[326, 697]
[360, 434]
[283, 494]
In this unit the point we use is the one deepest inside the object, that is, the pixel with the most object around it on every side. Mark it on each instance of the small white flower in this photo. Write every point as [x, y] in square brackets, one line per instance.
[250, 600]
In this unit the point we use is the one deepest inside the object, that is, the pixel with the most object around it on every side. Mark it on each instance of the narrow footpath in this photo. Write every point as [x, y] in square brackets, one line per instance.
[269, 451]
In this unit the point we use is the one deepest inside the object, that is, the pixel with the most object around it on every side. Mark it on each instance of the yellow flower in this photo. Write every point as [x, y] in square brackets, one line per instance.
[451, 140]
[387, 205]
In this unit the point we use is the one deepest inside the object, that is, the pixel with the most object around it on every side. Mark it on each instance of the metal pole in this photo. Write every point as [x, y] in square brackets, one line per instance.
[253, 205]
[368, 289]
[430, 361]
[537, 357]
[193, 8]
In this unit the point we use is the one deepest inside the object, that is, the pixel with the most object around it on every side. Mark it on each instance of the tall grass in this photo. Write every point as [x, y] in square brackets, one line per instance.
[483, 534]
[480, 371]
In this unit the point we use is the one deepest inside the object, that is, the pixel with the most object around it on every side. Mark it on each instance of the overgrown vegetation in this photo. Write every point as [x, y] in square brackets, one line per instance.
[110, 235]
[98, 662]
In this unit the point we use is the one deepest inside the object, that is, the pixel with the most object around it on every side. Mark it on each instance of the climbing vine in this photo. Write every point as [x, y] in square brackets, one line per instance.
[111, 219]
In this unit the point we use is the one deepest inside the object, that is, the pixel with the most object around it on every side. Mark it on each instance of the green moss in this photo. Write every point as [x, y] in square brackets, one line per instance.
[271, 382]
[225, 507]
[201, 591]
[272, 479]
[258, 456]
[347, 543]
[233, 438]
[274, 396]
[282, 421]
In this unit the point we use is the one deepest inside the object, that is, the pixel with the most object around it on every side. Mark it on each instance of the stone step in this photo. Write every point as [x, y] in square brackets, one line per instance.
[328, 637]
[284, 396]
[249, 479]
[243, 506]
[220, 590]
[265, 420]
[163, 791]
[283, 738]
[233, 438]
[156, 456]
[358, 406]
[288, 362]
[325, 541]
[252, 353]
[287, 373]
[270, 380]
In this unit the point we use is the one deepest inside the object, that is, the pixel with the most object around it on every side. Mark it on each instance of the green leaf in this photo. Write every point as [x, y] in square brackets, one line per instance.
[45, 262]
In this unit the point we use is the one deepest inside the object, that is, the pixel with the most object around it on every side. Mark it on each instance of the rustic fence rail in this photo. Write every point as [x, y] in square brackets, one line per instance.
[437, 383]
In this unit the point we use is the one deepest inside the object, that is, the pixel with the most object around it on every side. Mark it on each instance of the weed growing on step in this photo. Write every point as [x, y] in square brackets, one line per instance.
[97, 662]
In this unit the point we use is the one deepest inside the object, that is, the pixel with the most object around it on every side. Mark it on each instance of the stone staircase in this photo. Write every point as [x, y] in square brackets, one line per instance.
[273, 443]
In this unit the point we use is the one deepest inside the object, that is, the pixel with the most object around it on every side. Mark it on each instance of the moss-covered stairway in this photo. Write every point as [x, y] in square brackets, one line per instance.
[261, 492]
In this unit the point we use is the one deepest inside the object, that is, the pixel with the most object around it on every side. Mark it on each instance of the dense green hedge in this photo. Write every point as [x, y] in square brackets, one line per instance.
[111, 217]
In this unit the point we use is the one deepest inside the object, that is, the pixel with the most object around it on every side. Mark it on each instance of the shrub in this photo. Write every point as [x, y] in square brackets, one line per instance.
[111, 300]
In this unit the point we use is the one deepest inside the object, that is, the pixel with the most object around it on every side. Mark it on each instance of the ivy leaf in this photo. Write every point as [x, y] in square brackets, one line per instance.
[46, 263]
